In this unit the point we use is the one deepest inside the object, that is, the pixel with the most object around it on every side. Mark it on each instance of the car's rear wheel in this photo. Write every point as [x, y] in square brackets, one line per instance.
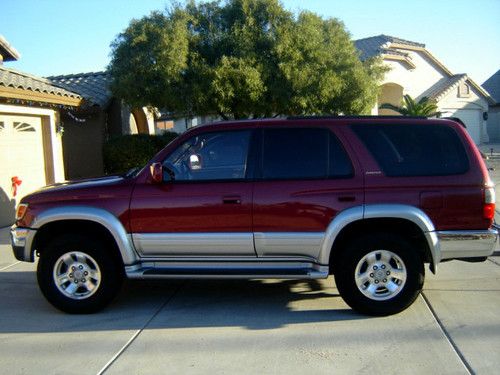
[78, 275]
[379, 274]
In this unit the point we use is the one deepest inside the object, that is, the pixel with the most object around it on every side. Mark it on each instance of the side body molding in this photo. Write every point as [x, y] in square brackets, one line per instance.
[97, 215]
[382, 211]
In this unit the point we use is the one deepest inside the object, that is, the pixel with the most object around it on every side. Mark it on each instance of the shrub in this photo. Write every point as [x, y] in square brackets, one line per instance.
[129, 151]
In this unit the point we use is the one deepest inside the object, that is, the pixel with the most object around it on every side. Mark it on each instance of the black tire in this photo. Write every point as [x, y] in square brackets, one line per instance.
[106, 282]
[376, 299]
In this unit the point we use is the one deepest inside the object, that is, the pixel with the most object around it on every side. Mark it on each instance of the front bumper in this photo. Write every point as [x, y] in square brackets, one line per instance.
[467, 244]
[21, 241]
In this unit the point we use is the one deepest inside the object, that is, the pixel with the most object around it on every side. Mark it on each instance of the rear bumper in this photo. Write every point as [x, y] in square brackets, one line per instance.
[467, 244]
[21, 241]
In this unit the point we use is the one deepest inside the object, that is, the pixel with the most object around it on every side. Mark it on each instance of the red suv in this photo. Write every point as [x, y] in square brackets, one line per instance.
[369, 200]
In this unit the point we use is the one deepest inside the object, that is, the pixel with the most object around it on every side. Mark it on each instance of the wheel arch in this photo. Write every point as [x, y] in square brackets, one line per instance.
[86, 220]
[410, 220]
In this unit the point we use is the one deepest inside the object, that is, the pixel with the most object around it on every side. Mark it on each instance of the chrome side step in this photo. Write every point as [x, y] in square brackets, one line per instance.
[255, 270]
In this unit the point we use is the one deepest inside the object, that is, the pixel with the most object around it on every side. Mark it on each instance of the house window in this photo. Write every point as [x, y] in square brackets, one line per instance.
[23, 127]
[463, 90]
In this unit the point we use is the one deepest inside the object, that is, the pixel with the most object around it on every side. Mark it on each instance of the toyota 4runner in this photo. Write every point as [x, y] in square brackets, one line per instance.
[369, 200]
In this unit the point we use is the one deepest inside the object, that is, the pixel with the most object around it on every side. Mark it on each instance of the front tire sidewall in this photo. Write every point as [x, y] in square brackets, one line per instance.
[111, 275]
[353, 253]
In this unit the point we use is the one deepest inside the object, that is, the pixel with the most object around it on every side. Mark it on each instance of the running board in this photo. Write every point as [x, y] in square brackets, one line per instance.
[226, 271]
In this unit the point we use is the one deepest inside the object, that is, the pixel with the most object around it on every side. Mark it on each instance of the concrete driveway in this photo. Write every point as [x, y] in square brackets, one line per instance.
[252, 327]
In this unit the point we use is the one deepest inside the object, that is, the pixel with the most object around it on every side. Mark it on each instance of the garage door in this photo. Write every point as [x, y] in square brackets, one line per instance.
[21, 155]
[472, 119]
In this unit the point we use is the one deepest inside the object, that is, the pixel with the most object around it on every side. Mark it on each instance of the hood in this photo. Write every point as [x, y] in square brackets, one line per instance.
[81, 184]
[75, 190]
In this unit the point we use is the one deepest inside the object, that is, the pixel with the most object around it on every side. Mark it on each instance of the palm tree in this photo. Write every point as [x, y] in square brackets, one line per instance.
[410, 107]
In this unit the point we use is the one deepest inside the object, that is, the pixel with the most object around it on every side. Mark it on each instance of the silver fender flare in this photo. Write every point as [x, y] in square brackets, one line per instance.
[97, 215]
[382, 211]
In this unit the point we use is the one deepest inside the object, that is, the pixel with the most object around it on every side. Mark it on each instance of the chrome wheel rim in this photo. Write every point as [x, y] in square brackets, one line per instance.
[380, 275]
[77, 275]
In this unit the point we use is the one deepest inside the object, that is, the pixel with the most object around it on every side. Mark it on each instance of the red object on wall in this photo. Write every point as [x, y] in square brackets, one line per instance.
[15, 183]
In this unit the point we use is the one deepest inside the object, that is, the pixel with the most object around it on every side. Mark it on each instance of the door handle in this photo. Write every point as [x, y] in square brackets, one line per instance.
[231, 200]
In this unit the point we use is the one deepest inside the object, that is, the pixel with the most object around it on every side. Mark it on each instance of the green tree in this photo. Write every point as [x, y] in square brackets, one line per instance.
[240, 59]
[410, 107]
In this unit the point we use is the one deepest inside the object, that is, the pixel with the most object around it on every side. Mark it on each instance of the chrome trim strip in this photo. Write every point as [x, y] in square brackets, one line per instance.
[289, 243]
[157, 244]
[467, 244]
[98, 215]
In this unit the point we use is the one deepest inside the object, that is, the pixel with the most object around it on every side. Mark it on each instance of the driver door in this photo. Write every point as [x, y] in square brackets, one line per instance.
[203, 206]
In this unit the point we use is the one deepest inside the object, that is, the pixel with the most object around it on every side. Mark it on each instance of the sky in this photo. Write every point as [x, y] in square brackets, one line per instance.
[73, 36]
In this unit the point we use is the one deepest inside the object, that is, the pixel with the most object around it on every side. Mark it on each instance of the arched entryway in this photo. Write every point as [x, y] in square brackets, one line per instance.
[138, 122]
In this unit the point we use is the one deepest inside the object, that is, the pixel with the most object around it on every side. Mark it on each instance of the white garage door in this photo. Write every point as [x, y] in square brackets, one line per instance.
[472, 119]
[21, 155]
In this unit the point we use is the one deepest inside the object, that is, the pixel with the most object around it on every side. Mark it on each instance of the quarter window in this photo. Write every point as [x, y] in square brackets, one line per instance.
[414, 150]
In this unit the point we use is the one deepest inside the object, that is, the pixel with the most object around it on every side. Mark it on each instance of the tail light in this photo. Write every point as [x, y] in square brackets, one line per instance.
[489, 203]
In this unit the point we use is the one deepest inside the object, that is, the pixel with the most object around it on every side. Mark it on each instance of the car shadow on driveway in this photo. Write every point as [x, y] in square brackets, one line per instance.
[251, 304]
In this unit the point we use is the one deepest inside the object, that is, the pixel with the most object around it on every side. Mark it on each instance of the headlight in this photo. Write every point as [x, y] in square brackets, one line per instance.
[21, 211]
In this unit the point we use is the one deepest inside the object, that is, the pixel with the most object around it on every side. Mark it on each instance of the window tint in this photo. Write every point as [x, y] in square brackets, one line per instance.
[414, 150]
[303, 154]
[210, 156]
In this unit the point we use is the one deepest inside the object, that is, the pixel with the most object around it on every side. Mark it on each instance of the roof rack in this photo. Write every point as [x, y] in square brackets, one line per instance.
[322, 117]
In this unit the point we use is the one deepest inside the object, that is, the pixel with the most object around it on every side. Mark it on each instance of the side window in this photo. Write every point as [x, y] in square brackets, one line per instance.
[303, 154]
[414, 150]
[210, 156]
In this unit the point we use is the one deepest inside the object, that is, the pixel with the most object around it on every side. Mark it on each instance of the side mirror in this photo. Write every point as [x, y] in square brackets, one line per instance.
[156, 170]
[194, 162]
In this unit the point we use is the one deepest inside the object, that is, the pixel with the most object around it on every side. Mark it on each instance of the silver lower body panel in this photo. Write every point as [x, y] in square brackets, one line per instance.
[467, 244]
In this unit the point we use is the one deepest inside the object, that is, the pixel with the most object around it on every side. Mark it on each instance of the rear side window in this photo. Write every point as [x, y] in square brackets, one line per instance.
[303, 154]
[414, 150]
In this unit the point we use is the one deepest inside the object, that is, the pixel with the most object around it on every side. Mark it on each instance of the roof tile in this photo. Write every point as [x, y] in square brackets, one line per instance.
[19, 80]
[93, 86]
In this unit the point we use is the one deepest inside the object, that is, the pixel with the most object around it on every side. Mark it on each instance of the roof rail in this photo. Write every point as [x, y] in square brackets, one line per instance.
[323, 117]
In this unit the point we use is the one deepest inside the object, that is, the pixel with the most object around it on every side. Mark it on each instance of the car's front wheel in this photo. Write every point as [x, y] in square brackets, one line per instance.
[78, 274]
[379, 274]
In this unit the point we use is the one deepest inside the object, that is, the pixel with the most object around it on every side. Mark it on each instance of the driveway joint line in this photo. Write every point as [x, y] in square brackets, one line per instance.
[137, 333]
[494, 261]
[450, 340]
[10, 265]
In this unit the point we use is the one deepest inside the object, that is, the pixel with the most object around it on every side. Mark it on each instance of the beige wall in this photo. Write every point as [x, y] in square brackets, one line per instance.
[452, 104]
[53, 166]
[414, 81]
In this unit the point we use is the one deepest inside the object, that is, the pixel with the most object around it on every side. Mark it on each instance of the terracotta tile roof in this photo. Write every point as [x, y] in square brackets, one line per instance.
[15, 79]
[492, 85]
[93, 87]
[380, 44]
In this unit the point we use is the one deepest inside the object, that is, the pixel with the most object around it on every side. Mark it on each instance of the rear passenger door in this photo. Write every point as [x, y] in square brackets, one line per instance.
[304, 178]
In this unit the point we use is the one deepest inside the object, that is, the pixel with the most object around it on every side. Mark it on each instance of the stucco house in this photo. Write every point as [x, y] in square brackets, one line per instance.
[416, 72]
[492, 85]
[30, 138]
[88, 126]
[52, 129]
